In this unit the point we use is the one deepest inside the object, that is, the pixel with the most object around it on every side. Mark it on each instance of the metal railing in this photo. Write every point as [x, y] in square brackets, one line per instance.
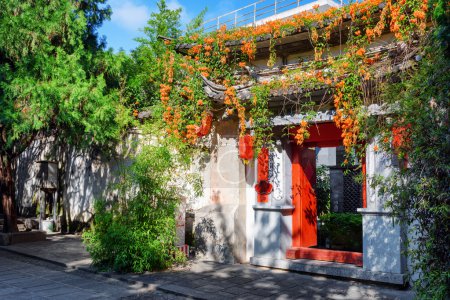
[250, 15]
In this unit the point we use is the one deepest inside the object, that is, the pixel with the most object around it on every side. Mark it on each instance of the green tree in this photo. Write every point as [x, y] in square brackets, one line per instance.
[148, 60]
[149, 66]
[420, 192]
[137, 232]
[54, 79]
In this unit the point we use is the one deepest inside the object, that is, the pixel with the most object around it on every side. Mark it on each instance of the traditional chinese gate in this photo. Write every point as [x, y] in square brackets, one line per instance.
[304, 217]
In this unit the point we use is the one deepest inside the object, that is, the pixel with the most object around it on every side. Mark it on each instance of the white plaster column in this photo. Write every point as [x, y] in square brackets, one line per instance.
[250, 196]
[273, 220]
[383, 239]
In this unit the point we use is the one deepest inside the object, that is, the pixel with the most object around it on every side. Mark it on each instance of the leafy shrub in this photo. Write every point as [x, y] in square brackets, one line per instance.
[323, 190]
[343, 229]
[138, 233]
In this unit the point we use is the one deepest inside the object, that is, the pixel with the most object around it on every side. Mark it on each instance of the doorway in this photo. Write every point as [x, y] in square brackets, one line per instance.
[326, 194]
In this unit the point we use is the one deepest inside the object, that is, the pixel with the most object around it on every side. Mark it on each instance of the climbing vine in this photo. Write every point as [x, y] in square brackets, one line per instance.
[223, 58]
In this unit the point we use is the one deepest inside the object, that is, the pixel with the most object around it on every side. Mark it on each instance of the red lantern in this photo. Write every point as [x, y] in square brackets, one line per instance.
[263, 188]
[246, 147]
[205, 128]
[263, 164]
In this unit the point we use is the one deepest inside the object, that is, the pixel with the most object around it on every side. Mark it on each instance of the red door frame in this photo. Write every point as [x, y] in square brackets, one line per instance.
[304, 232]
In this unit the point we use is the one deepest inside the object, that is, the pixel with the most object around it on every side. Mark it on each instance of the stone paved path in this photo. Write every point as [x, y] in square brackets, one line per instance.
[27, 278]
[200, 280]
[66, 250]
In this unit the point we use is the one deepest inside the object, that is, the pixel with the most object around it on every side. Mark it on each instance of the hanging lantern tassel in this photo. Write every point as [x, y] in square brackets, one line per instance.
[246, 148]
[205, 128]
[263, 188]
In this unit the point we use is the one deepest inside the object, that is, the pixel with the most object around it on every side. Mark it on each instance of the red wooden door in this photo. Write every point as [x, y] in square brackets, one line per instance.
[308, 218]
[304, 218]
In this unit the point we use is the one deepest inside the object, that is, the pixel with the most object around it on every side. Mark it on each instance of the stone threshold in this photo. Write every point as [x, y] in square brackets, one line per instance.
[331, 269]
[346, 257]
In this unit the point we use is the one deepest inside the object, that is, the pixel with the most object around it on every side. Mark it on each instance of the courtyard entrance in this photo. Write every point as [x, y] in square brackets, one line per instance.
[327, 189]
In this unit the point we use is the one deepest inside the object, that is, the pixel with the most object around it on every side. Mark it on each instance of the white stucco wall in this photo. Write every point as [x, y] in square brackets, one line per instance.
[88, 175]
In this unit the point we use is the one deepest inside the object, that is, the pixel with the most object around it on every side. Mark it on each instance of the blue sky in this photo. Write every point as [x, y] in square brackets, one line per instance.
[129, 16]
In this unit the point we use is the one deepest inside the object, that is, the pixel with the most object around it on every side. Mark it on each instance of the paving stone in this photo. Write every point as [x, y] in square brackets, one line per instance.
[248, 296]
[260, 284]
[4, 267]
[287, 283]
[23, 296]
[73, 280]
[60, 277]
[236, 290]
[240, 280]
[73, 296]
[14, 281]
[210, 288]
[223, 283]
[264, 292]
[52, 274]
[105, 288]
[50, 286]
[188, 283]
[57, 292]
[91, 285]
[9, 290]
[190, 276]
[281, 296]
[12, 277]
[32, 283]
[156, 281]
[225, 295]
[10, 272]
[220, 275]
[171, 288]
[206, 281]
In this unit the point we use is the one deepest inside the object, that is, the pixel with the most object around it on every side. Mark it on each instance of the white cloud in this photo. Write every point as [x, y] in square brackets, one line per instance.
[129, 15]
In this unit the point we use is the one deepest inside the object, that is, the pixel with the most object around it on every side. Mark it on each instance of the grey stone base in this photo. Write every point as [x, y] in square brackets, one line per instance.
[329, 269]
[21, 237]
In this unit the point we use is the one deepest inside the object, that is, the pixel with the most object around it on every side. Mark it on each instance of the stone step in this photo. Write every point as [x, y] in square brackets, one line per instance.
[327, 268]
[21, 237]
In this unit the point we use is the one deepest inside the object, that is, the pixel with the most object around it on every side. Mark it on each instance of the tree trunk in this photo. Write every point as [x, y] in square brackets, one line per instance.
[7, 192]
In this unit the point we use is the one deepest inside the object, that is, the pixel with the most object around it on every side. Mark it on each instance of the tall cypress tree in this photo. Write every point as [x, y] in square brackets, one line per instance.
[55, 78]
